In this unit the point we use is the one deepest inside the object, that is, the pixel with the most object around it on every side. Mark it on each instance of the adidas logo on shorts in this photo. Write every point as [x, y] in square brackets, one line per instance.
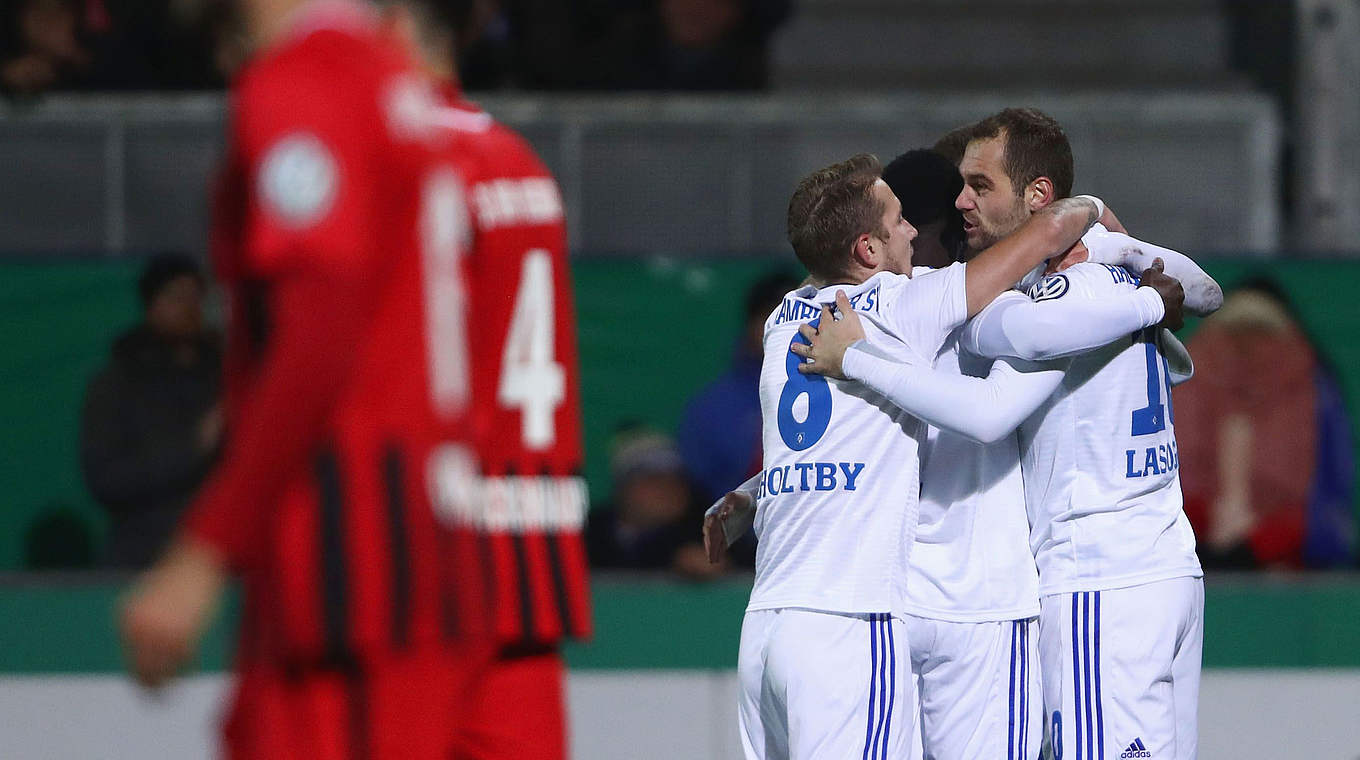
[1137, 749]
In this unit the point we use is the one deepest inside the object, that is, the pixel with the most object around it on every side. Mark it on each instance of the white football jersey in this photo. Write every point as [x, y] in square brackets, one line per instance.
[837, 507]
[971, 561]
[1101, 470]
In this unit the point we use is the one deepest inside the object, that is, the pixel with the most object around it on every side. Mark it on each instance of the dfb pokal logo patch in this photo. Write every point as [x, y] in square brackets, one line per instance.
[298, 180]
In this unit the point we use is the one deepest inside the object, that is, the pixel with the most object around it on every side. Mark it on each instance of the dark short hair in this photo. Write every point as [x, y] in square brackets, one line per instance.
[954, 143]
[831, 207]
[928, 184]
[161, 270]
[1036, 146]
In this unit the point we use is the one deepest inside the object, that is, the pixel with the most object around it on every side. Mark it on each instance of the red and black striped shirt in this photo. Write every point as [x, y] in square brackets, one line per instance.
[340, 236]
[526, 409]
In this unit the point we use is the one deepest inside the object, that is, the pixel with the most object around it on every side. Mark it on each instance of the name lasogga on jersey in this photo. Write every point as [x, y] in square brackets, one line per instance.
[1156, 460]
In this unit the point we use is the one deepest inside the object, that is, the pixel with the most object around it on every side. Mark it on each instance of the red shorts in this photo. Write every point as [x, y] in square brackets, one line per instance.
[519, 713]
[409, 707]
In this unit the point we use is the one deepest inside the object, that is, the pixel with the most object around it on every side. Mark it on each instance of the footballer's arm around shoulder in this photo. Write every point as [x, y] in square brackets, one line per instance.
[1057, 323]
[982, 409]
[1203, 295]
[1050, 231]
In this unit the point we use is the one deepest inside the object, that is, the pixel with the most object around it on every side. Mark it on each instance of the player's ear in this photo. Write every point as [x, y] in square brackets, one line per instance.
[865, 253]
[1039, 193]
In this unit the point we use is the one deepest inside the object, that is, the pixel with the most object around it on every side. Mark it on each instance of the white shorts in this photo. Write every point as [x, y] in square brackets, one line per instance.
[823, 685]
[1121, 671]
[978, 689]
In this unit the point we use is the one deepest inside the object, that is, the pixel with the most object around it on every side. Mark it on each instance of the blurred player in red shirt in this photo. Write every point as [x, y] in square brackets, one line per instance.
[341, 229]
[525, 413]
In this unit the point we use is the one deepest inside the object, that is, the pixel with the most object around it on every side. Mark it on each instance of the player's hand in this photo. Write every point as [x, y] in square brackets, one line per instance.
[827, 342]
[1169, 288]
[163, 616]
[715, 530]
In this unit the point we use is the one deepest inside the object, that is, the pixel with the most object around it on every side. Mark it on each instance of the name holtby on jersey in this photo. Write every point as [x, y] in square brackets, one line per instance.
[810, 476]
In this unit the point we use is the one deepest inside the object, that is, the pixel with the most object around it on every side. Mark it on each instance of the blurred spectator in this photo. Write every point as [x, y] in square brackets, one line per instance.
[58, 539]
[152, 422]
[487, 41]
[719, 433]
[716, 44]
[622, 44]
[44, 46]
[111, 45]
[1265, 446]
[529, 44]
[653, 521]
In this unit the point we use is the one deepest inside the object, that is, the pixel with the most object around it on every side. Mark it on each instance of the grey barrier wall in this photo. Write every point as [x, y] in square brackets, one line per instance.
[630, 714]
[675, 174]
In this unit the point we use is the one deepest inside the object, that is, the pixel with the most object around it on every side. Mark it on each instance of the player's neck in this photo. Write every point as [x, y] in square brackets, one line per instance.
[847, 279]
[1075, 255]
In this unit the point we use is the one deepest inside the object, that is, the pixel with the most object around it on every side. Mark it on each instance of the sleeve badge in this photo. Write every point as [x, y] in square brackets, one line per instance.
[298, 180]
[1049, 288]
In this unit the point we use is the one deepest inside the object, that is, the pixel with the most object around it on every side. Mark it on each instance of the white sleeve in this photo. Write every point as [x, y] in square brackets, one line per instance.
[1179, 366]
[1053, 326]
[983, 409]
[927, 308]
[743, 517]
[1203, 296]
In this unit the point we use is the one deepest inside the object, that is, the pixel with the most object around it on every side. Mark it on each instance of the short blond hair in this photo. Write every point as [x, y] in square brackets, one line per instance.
[830, 209]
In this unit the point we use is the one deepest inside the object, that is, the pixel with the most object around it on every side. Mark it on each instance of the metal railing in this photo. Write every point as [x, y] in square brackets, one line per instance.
[675, 174]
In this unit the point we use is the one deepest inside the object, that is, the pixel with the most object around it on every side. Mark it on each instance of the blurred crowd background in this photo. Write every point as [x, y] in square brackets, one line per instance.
[546, 45]
[1225, 128]
[87, 45]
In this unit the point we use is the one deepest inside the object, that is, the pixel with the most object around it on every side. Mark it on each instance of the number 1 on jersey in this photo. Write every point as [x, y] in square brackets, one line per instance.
[1154, 417]
[530, 379]
[443, 236]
